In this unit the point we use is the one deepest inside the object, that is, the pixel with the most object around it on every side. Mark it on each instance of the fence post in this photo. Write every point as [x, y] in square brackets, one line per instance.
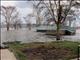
[78, 52]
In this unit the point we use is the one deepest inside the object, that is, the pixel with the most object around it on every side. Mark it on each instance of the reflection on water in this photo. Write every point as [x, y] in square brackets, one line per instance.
[25, 35]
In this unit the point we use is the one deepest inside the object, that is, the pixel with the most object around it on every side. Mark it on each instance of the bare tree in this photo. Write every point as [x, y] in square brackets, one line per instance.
[9, 13]
[17, 23]
[28, 20]
[37, 12]
[59, 10]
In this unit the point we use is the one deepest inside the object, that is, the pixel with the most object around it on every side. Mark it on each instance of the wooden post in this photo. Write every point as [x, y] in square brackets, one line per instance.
[78, 52]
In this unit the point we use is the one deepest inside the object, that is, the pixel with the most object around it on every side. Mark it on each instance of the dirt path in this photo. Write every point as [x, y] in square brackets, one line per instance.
[7, 55]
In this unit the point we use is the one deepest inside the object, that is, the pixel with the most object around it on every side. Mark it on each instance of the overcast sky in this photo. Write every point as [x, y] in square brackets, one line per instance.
[25, 7]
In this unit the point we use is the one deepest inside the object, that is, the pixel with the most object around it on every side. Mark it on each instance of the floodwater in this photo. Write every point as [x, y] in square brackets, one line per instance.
[26, 36]
[23, 35]
[75, 37]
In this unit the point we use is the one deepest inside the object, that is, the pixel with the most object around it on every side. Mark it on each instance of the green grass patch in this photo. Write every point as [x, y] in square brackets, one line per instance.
[17, 48]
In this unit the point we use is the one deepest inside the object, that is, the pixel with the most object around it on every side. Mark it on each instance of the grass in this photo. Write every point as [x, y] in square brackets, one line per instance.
[17, 48]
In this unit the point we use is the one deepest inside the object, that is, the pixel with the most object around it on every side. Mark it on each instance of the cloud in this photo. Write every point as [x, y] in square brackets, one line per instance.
[25, 11]
[24, 4]
[23, 7]
[8, 3]
[20, 4]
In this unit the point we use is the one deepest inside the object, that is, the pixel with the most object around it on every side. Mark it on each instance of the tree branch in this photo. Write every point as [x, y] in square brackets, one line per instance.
[67, 11]
[52, 10]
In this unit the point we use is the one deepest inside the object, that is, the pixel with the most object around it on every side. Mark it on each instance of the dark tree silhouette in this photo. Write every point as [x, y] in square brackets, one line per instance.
[59, 11]
[9, 13]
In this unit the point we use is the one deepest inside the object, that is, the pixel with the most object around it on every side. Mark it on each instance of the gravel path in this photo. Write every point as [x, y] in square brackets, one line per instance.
[7, 55]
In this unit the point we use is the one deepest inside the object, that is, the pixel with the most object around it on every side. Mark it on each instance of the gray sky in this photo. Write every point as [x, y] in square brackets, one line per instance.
[25, 7]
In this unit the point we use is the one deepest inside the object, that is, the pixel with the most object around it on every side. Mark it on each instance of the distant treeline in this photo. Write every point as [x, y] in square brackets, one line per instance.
[26, 25]
[22, 25]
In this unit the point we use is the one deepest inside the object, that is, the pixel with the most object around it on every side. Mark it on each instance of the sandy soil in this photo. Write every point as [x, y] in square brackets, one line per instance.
[7, 55]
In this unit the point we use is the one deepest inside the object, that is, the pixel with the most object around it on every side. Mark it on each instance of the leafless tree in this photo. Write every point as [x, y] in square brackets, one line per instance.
[17, 23]
[9, 13]
[37, 12]
[59, 10]
[28, 20]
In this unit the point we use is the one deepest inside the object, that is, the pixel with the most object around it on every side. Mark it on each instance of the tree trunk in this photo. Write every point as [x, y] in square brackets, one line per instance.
[7, 26]
[58, 32]
[14, 26]
[29, 26]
